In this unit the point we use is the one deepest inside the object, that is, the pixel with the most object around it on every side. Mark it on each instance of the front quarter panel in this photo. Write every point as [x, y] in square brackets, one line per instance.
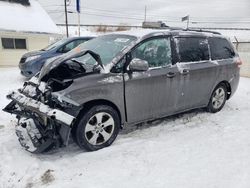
[92, 87]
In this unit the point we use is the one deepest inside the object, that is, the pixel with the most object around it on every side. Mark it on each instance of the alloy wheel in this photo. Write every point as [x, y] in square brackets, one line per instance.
[99, 128]
[218, 98]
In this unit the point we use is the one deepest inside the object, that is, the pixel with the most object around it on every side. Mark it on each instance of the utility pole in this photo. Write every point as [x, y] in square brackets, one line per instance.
[79, 27]
[145, 14]
[78, 9]
[66, 18]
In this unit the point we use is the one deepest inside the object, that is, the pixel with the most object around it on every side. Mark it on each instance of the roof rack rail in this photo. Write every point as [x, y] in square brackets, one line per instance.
[201, 30]
[190, 29]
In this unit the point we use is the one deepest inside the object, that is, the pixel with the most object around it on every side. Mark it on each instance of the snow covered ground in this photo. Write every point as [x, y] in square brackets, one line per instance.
[192, 150]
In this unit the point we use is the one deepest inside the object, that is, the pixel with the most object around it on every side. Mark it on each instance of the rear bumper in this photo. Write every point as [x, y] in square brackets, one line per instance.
[234, 82]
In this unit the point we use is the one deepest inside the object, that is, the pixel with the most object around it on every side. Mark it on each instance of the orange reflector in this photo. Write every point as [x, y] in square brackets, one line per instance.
[78, 49]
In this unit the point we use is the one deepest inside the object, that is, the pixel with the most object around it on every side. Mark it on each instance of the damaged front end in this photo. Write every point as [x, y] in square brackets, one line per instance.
[45, 118]
[42, 122]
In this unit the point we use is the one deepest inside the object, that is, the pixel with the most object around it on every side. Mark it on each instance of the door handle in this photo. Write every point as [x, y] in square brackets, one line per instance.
[185, 71]
[171, 74]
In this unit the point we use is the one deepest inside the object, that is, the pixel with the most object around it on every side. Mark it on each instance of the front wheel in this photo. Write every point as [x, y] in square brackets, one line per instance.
[98, 128]
[218, 99]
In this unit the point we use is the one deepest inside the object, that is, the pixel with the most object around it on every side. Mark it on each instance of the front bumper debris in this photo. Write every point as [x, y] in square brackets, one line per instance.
[40, 126]
[40, 108]
[28, 134]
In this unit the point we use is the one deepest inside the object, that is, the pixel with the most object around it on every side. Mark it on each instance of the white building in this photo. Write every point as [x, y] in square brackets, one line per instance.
[23, 27]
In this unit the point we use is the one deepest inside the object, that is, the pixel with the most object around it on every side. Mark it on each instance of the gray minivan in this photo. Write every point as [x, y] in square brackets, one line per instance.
[122, 79]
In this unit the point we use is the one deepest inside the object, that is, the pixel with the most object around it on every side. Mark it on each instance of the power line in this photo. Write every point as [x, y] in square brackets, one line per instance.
[114, 16]
[141, 18]
[136, 26]
[118, 14]
[222, 19]
[220, 22]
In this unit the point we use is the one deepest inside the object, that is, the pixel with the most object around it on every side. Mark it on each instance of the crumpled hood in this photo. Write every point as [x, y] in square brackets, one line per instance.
[59, 60]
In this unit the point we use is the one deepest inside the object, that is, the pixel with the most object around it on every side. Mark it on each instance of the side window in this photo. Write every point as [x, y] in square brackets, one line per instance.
[118, 68]
[66, 48]
[157, 52]
[192, 49]
[220, 49]
[78, 42]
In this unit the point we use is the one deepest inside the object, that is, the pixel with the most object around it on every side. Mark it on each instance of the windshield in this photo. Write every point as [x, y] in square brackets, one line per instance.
[107, 47]
[55, 44]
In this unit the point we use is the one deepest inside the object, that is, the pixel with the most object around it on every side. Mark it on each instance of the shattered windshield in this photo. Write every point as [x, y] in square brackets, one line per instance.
[107, 47]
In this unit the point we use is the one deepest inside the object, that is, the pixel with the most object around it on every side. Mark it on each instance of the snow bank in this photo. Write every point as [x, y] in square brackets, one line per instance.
[33, 18]
[73, 31]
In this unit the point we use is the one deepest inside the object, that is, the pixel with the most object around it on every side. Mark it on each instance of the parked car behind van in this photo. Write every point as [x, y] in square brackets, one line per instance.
[32, 62]
[122, 79]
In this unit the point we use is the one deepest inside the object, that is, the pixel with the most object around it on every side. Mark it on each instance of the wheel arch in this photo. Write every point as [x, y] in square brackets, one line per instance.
[86, 106]
[228, 87]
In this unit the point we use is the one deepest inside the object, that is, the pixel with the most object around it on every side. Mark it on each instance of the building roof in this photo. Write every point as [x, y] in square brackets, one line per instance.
[19, 18]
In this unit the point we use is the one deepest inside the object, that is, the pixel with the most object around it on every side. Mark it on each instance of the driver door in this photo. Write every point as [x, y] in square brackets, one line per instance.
[151, 94]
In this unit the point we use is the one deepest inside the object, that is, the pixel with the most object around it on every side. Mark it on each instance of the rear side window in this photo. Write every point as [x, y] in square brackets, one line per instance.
[192, 49]
[220, 49]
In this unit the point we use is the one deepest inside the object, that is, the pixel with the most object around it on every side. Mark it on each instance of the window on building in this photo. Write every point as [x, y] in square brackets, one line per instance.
[220, 48]
[12, 43]
[20, 43]
[192, 49]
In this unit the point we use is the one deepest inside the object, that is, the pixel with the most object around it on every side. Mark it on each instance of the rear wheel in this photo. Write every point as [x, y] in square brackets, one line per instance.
[218, 99]
[98, 128]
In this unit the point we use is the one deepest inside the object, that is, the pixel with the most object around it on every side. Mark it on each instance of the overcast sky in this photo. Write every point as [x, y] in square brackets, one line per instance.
[218, 13]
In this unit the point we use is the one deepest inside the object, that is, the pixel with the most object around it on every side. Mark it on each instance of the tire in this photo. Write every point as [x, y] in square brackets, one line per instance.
[217, 99]
[98, 128]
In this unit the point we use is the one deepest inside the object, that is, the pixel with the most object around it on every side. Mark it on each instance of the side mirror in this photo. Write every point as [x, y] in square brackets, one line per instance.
[137, 65]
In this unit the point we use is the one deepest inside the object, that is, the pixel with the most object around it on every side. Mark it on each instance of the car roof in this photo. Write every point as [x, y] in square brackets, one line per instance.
[81, 37]
[69, 39]
[145, 33]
